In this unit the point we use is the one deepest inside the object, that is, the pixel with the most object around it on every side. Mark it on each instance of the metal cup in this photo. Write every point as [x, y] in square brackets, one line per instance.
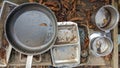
[106, 18]
[101, 46]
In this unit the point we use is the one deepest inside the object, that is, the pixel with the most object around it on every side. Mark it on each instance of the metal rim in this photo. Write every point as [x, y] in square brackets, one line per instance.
[50, 43]
[103, 54]
[116, 21]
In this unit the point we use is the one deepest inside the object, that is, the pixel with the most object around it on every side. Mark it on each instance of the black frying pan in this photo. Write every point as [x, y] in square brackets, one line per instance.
[31, 29]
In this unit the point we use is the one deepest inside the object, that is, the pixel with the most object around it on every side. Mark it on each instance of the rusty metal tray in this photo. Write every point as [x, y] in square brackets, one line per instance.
[5, 47]
[66, 56]
[66, 51]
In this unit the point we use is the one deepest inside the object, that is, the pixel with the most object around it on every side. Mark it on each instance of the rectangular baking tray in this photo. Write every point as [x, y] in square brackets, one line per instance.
[65, 53]
[66, 34]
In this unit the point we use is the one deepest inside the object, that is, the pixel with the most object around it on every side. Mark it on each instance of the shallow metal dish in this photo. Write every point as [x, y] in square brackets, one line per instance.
[66, 54]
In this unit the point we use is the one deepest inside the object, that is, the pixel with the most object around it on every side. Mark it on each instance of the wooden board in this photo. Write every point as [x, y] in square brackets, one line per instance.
[114, 62]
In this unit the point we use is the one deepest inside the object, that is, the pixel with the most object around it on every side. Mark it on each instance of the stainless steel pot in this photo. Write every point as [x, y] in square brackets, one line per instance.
[106, 18]
[101, 46]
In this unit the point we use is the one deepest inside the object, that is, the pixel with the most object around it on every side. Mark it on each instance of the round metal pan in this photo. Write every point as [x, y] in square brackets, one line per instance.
[31, 28]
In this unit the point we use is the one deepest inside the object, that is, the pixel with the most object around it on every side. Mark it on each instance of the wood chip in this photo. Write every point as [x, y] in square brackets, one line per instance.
[54, 4]
[83, 4]
[31, 1]
[86, 42]
[108, 57]
[40, 1]
[92, 0]
[54, 8]
[94, 7]
[83, 60]
[76, 19]
[4, 42]
[66, 5]
[91, 26]
[2, 53]
[107, 1]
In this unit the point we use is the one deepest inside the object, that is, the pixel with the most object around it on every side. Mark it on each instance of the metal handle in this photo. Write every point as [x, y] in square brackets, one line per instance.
[29, 61]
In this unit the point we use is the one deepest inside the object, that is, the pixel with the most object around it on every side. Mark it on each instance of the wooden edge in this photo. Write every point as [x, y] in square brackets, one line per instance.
[114, 62]
[23, 64]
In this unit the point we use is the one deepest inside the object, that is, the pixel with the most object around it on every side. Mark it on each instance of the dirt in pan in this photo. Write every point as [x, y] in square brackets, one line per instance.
[66, 34]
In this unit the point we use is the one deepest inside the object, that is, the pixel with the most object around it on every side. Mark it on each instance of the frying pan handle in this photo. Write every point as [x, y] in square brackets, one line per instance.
[29, 61]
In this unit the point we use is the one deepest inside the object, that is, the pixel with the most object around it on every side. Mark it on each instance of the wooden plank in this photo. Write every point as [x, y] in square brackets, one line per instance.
[115, 50]
[114, 62]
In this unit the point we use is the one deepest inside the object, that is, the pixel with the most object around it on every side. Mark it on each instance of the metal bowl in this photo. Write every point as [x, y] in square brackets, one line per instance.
[106, 18]
[101, 46]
